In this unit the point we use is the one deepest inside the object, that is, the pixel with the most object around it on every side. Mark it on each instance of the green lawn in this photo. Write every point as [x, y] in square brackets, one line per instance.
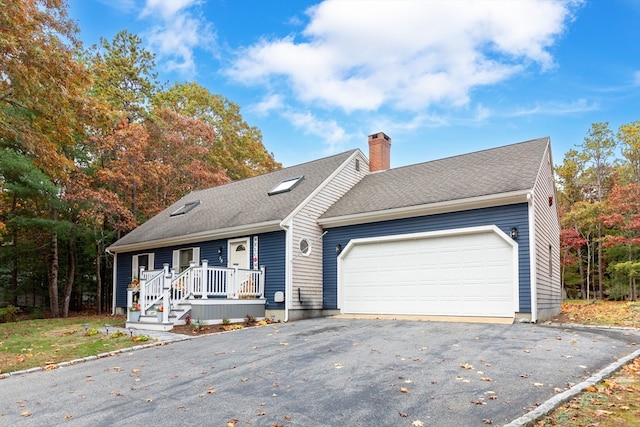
[44, 342]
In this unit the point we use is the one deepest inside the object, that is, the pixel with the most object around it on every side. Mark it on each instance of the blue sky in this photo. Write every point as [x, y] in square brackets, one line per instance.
[441, 78]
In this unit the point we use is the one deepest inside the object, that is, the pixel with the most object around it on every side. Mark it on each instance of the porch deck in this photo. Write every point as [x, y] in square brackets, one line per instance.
[203, 294]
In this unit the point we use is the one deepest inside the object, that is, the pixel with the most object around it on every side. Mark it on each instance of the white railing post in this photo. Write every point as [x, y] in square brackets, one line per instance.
[192, 278]
[129, 303]
[143, 295]
[205, 278]
[165, 306]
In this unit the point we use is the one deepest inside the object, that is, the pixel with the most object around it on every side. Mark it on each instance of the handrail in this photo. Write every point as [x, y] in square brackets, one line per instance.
[151, 288]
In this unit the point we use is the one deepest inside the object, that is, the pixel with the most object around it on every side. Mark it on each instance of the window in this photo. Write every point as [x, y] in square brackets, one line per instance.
[141, 260]
[185, 208]
[305, 247]
[285, 186]
[183, 257]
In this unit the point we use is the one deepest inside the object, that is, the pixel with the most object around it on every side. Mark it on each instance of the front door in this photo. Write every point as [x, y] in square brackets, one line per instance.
[239, 253]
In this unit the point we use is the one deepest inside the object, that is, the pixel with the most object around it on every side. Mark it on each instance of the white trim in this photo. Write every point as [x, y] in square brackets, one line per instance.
[502, 199]
[258, 228]
[532, 258]
[242, 240]
[431, 234]
[115, 282]
[321, 187]
[288, 274]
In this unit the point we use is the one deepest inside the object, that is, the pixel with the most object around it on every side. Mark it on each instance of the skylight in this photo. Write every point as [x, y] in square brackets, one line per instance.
[185, 208]
[285, 186]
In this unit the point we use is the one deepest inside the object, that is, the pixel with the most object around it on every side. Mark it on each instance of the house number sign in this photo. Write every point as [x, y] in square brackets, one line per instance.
[255, 252]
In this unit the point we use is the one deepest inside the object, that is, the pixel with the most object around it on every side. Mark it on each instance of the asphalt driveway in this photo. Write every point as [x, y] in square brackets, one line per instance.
[322, 372]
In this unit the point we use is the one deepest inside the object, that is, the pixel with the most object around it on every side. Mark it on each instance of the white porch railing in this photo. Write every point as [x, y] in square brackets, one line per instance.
[165, 287]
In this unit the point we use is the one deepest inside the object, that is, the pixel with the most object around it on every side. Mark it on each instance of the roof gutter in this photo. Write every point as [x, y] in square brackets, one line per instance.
[262, 227]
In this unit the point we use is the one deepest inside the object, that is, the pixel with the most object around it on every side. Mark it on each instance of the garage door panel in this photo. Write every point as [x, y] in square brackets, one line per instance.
[459, 275]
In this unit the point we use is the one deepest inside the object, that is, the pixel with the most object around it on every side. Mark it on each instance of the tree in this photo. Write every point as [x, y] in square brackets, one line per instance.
[629, 137]
[237, 148]
[124, 76]
[622, 217]
[597, 149]
[569, 175]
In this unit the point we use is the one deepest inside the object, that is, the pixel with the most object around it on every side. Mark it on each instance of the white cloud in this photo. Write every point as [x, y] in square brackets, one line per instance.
[269, 103]
[555, 108]
[177, 33]
[406, 54]
[331, 133]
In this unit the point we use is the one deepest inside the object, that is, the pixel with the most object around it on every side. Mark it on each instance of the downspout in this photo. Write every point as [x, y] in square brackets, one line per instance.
[113, 284]
[532, 258]
[288, 286]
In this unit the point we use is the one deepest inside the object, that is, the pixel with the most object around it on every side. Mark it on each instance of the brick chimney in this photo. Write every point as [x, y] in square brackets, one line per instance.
[379, 152]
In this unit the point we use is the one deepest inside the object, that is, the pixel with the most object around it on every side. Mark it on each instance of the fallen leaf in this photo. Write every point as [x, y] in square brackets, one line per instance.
[485, 379]
[337, 365]
[557, 390]
[148, 400]
[403, 415]
[538, 384]
[466, 366]
[284, 343]
[26, 414]
[232, 422]
[487, 421]
[211, 390]
[68, 417]
[404, 389]
[478, 402]
[417, 423]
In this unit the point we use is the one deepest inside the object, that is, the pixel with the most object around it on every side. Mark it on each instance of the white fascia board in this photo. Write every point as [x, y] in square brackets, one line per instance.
[502, 199]
[225, 233]
[319, 188]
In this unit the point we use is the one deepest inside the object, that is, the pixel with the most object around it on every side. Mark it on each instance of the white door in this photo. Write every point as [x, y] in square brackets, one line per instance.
[239, 253]
[468, 272]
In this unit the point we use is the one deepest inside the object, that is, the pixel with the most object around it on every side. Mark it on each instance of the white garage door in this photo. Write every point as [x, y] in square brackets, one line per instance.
[468, 272]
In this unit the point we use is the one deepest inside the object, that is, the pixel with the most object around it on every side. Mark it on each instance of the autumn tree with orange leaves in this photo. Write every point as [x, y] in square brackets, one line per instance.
[91, 146]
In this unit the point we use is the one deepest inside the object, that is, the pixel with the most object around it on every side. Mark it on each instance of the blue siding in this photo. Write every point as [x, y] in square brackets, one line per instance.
[271, 247]
[271, 254]
[504, 217]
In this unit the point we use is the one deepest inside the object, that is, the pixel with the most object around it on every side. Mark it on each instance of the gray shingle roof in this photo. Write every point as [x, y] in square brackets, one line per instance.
[494, 171]
[236, 204]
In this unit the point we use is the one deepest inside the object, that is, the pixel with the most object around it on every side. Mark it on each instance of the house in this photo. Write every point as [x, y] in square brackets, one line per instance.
[470, 236]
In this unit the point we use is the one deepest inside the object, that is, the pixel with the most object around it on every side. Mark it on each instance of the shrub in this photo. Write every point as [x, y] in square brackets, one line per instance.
[9, 314]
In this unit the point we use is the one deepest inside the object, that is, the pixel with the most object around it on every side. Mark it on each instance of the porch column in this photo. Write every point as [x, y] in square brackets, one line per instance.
[205, 278]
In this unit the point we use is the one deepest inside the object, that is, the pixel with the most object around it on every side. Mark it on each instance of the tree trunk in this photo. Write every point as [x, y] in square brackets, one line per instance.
[14, 270]
[98, 279]
[583, 287]
[600, 272]
[71, 272]
[53, 276]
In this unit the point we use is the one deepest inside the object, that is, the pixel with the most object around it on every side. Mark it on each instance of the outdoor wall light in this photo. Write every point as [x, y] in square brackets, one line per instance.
[338, 248]
[220, 250]
[514, 233]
